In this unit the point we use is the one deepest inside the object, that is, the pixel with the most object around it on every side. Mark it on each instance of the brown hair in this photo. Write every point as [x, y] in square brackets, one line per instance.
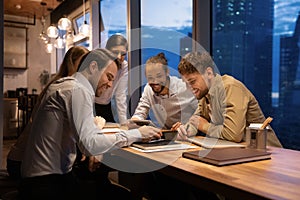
[195, 62]
[158, 59]
[116, 40]
[67, 67]
[101, 56]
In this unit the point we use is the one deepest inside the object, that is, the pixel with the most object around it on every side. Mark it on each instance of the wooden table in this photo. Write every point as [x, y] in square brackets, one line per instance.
[278, 178]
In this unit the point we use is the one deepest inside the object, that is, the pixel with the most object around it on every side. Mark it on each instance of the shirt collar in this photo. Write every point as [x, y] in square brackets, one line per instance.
[83, 80]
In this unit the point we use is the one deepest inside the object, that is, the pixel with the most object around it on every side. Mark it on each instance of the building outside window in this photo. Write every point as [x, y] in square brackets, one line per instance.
[166, 26]
[257, 42]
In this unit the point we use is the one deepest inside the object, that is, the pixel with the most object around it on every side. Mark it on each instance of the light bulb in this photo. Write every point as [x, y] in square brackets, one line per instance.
[43, 36]
[49, 47]
[52, 31]
[68, 37]
[59, 43]
[64, 23]
[84, 29]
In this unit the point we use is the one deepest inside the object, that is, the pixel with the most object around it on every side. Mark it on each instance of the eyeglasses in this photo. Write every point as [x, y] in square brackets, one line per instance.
[122, 53]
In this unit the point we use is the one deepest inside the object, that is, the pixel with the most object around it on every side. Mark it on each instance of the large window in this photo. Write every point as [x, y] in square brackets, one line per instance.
[257, 42]
[166, 27]
[113, 18]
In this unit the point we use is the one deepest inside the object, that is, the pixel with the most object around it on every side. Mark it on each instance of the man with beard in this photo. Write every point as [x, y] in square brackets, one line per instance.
[63, 120]
[226, 106]
[165, 96]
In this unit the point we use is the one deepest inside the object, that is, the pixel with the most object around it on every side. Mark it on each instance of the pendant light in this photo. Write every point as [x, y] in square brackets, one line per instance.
[49, 47]
[52, 31]
[59, 43]
[84, 29]
[43, 36]
[64, 23]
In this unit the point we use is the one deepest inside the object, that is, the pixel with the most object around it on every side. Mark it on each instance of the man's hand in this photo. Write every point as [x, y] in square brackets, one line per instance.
[149, 133]
[199, 122]
[182, 133]
[99, 121]
[94, 163]
[175, 126]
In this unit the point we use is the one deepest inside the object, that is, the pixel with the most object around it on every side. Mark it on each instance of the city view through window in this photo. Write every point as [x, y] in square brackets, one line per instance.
[257, 42]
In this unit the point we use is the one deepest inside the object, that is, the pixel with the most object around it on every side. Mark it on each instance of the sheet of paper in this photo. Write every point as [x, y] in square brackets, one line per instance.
[182, 146]
[110, 130]
[214, 142]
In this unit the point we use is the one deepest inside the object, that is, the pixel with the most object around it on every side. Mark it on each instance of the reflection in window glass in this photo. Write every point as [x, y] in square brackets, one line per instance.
[113, 18]
[165, 25]
[257, 42]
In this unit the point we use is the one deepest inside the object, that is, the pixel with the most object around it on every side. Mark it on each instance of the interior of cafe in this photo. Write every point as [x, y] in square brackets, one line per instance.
[245, 42]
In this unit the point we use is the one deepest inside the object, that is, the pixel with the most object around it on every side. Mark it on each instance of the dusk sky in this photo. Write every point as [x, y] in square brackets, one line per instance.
[285, 13]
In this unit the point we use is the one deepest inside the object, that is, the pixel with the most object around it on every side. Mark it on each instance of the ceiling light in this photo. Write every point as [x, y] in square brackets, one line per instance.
[18, 6]
[84, 29]
[64, 23]
[52, 31]
[49, 47]
[59, 43]
[43, 36]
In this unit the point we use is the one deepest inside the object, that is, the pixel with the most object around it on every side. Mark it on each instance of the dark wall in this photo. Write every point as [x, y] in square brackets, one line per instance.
[65, 8]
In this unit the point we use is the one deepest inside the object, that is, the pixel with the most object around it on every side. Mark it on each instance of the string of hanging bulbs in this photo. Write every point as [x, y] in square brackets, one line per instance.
[58, 36]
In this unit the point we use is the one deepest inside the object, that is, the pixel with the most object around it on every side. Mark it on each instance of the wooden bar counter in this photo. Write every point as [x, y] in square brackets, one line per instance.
[277, 178]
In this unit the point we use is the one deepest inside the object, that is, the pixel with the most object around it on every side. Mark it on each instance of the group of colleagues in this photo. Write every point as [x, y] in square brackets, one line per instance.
[63, 121]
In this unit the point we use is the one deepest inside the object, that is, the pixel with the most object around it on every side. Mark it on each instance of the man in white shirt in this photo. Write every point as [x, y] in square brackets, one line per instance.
[165, 96]
[64, 119]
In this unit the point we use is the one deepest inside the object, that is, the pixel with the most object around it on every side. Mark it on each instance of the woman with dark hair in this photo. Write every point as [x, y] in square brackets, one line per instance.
[118, 45]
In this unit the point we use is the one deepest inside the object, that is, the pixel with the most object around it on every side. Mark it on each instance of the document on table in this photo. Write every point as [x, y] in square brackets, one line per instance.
[110, 130]
[165, 147]
[210, 143]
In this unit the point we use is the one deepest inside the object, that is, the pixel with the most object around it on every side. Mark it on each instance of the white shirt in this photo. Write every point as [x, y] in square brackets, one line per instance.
[119, 90]
[166, 110]
[66, 117]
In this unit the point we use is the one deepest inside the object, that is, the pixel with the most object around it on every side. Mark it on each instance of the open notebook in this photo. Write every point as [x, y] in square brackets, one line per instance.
[207, 142]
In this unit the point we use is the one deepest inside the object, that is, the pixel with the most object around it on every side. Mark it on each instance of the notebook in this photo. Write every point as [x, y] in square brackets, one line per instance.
[227, 156]
[209, 143]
